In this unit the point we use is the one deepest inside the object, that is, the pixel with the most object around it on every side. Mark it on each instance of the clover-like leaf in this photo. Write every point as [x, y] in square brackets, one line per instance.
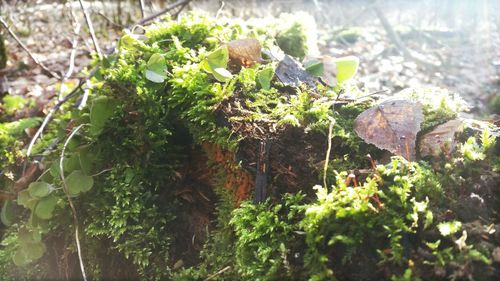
[39, 189]
[20, 258]
[315, 67]
[7, 213]
[78, 182]
[35, 250]
[155, 69]
[264, 77]
[222, 74]
[346, 68]
[101, 110]
[24, 198]
[217, 59]
[45, 207]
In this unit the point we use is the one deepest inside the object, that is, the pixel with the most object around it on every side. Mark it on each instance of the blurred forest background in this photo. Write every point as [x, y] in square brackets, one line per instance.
[451, 44]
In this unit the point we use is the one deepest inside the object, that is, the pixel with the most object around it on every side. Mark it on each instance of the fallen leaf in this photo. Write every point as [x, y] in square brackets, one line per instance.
[244, 52]
[392, 125]
[291, 73]
[441, 139]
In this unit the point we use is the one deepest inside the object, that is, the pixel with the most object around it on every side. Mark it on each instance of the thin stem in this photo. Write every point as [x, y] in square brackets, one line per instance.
[168, 8]
[91, 29]
[328, 150]
[141, 3]
[70, 201]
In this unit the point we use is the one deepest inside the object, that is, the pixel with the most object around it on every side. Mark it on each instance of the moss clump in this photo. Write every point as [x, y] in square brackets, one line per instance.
[495, 105]
[350, 35]
[297, 35]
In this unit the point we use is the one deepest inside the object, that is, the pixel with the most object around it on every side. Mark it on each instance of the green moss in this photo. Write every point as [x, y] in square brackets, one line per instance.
[296, 35]
[349, 35]
[495, 105]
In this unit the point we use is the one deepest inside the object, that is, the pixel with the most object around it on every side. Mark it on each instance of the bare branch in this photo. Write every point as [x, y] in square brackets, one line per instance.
[70, 201]
[394, 37]
[141, 3]
[168, 8]
[74, 46]
[217, 273]
[48, 118]
[176, 14]
[91, 29]
[37, 62]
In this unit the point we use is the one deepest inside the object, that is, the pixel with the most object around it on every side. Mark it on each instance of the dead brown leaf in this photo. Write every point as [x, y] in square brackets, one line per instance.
[244, 52]
[392, 125]
[441, 139]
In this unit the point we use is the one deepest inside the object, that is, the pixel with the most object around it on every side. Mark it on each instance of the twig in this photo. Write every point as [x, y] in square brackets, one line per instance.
[48, 118]
[168, 8]
[108, 20]
[176, 14]
[393, 36]
[219, 11]
[70, 201]
[328, 150]
[91, 29]
[217, 273]
[72, 55]
[5, 196]
[141, 3]
[37, 62]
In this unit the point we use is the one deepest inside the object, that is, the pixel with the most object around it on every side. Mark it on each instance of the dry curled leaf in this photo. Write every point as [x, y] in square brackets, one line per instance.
[392, 125]
[441, 139]
[244, 52]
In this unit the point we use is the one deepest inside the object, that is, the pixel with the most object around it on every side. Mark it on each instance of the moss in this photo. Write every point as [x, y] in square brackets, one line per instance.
[349, 35]
[495, 105]
[297, 35]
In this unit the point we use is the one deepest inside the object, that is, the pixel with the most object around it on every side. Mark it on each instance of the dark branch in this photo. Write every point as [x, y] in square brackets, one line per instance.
[168, 8]
[37, 62]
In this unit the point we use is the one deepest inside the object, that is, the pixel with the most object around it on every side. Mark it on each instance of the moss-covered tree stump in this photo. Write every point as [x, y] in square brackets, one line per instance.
[165, 157]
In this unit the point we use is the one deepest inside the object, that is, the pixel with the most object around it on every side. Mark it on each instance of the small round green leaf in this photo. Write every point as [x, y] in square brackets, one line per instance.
[346, 68]
[7, 213]
[39, 189]
[264, 77]
[222, 74]
[78, 182]
[19, 258]
[218, 58]
[34, 250]
[24, 198]
[155, 69]
[101, 110]
[45, 207]
[315, 67]
[154, 76]
[55, 169]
